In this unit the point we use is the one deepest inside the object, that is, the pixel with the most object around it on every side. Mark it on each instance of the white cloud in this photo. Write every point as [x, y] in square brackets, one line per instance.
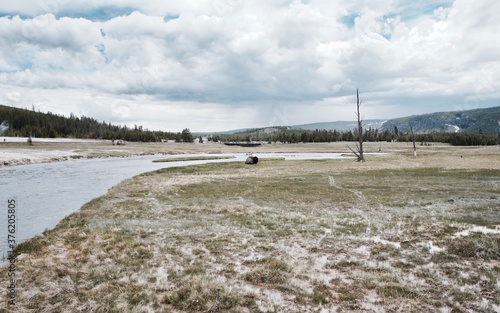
[226, 63]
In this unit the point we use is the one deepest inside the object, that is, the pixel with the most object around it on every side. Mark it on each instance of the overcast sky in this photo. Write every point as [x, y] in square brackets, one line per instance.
[228, 64]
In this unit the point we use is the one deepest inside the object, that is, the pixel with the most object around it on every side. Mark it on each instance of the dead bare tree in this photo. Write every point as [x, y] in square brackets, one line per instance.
[359, 145]
[413, 139]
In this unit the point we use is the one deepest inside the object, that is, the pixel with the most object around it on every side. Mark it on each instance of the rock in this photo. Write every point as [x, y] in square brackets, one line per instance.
[252, 160]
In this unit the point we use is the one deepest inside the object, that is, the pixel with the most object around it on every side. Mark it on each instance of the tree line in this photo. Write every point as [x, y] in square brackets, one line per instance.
[25, 123]
[291, 135]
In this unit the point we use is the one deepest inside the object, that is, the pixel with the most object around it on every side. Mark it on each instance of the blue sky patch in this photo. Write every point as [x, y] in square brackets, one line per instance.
[101, 14]
[404, 9]
[348, 20]
[11, 15]
[414, 9]
[169, 17]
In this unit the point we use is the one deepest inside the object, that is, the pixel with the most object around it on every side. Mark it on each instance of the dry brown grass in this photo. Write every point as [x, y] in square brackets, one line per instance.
[281, 236]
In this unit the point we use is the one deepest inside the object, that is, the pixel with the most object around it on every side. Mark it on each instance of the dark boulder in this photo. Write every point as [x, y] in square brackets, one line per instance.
[252, 160]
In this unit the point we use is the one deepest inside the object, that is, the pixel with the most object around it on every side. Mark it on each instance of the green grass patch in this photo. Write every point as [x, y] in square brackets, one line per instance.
[202, 296]
[488, 221]
[268, 271]
[32, 246]
[397, 291]
[476, 245]
[321, 294]
[344, 265]
[195, 269]
[195, 158]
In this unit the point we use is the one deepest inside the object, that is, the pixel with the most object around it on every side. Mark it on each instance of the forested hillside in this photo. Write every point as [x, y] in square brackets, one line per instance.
[291, 135]
[479, 121]
[341, 125]
[22, 122]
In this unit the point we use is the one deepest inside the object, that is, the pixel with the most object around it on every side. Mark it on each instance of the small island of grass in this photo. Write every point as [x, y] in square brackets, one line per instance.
[196, 158]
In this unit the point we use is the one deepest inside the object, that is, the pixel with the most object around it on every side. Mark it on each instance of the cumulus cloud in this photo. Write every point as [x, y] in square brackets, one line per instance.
[223, 63]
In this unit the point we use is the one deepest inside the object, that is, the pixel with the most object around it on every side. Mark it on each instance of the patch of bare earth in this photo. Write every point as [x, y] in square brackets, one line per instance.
[393, 234]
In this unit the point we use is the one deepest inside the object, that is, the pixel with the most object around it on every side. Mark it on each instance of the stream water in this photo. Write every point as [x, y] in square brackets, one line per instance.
[46, 193]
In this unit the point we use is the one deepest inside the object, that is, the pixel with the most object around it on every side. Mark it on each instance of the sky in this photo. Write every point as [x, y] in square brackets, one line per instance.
[230, 64]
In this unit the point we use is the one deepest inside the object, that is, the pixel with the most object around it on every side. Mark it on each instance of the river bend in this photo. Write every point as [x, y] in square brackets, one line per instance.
[46, 193]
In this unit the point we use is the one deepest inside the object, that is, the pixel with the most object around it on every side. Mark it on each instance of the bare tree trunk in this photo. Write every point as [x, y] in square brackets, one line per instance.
[361, 157]
[413, 139]
[359, 145]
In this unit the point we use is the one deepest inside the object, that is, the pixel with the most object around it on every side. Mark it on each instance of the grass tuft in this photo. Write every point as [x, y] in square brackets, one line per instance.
[478, 246]
[396, 291]
[268, 271]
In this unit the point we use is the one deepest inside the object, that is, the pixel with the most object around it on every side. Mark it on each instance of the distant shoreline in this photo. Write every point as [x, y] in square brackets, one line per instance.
[4, 139]
[16, 151]
[28, 161]
[48, 150]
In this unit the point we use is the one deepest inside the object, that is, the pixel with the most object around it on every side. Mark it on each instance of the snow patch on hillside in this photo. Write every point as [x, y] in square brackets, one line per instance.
[453, 128]
[4, 126]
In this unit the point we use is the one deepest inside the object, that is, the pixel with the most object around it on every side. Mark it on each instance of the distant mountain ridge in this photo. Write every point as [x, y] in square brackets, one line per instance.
[341, 125]
[485, 121]
[23, 122]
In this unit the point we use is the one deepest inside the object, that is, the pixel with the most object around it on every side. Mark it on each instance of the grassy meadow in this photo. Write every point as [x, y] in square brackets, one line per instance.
[392, 234]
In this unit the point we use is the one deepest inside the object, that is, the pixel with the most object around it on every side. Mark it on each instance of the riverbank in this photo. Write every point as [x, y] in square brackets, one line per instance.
[15, 150]
[395, 233]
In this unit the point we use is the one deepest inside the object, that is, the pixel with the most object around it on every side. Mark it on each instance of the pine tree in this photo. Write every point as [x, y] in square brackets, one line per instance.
[186, 135]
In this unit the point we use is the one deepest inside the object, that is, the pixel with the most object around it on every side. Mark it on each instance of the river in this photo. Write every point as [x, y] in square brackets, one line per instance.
[46, 193]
